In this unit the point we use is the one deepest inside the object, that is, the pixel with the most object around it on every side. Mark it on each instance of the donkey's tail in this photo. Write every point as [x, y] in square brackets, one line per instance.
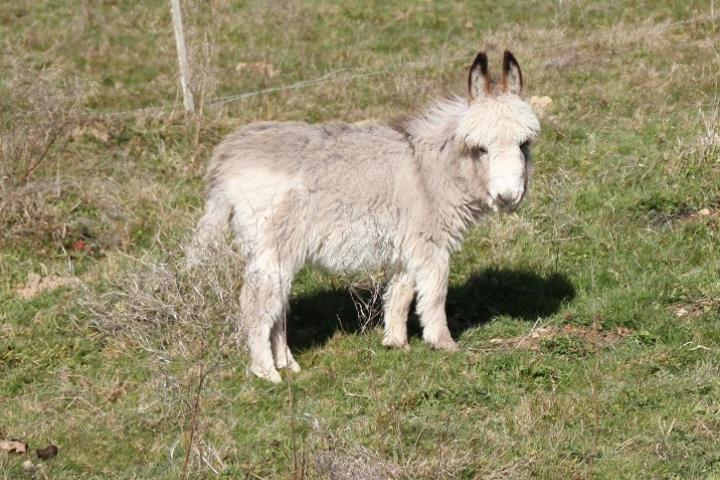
[210, 229]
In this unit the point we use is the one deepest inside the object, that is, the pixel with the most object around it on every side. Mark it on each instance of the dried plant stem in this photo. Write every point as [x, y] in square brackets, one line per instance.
[49, 142]
[194, 414]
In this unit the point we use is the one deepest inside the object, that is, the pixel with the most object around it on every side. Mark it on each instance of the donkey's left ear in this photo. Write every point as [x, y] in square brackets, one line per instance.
[512, 81]
[479, 77]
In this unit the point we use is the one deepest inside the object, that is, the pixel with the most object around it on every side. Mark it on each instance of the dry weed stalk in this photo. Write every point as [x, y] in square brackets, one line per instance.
[180, 319]
[39, 109]
[703, 149]
[709, 141]
[207, 22]
[194, 420]
[367, 297]
[366, 288]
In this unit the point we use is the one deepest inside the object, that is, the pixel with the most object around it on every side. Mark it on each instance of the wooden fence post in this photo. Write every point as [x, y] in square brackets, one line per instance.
[182, 56]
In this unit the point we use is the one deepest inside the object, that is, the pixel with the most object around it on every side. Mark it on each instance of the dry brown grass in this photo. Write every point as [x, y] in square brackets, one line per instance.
[692, 310]
[40, 107]
[89, 214]
[587, 335]
[185, 322]
[169, 311]
[705, 148]
[36, 284]
[359, 465]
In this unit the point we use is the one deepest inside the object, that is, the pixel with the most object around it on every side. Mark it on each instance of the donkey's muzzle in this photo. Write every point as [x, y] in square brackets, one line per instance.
[508, 200]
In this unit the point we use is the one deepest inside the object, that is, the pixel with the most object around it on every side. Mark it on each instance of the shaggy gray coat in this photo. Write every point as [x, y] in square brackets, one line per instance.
[356, 196]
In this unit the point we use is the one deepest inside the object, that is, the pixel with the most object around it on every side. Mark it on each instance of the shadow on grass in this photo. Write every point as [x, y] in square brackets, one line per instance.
[518, 293]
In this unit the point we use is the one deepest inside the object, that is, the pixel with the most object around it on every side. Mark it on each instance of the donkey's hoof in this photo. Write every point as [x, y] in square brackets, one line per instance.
[391, 342]
[447, 346]
[445, 343]
[290, 364]
[269, 374]
[287, 362]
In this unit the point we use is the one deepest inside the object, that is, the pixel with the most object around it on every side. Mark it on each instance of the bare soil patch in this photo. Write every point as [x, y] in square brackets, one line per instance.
[36, 284]
[695, 308]
[588, 335]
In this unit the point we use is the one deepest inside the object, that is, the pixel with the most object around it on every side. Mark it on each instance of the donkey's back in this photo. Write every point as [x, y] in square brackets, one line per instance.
[322, 153]
[327, 193]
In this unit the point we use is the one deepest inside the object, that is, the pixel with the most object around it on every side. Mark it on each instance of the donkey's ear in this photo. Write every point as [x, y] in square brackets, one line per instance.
[479, 78]
[512, 80]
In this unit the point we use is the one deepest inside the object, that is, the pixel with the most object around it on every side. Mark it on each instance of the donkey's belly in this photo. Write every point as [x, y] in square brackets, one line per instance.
[351, 250]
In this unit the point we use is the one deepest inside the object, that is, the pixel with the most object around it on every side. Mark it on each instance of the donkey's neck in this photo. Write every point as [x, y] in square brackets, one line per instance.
[432, 135]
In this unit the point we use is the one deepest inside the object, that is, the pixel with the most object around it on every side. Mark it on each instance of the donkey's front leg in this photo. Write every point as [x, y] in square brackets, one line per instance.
[397, 300]
[431, 284]
[281, 351]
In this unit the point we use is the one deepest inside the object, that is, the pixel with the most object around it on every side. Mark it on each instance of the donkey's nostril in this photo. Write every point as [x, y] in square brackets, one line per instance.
[508, 199]
[504, 199]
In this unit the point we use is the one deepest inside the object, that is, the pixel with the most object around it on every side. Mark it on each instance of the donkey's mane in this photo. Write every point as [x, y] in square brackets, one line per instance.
[437, 124]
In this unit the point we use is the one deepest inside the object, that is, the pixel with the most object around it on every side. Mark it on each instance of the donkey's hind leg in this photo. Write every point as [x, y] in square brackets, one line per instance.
[263, 301]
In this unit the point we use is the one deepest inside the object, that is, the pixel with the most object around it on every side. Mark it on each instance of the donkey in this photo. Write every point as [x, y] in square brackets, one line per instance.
[367, 195]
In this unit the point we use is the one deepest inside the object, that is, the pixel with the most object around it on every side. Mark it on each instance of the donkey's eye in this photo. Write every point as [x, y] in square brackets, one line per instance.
[525, 145]
[478, 151]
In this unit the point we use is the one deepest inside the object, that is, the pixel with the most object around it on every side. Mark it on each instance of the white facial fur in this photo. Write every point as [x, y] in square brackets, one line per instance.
[500, 125]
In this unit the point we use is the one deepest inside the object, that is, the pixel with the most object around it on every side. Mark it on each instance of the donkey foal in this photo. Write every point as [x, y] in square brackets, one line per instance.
[367, 195]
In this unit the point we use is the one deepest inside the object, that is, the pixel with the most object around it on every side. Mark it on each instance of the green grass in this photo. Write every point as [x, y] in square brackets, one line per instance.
[610, 239]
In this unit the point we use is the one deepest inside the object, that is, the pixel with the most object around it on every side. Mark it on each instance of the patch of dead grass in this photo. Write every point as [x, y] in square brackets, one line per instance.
[694, 309]
[363, 465]
[686, 214]
[39, 109]
[533, 341]
[185, 323]
[37, 284]
[166, 304]
[99, 212]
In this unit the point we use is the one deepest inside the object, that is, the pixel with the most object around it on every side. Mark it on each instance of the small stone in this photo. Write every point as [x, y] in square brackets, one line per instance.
[704, 212]
[28, 466]
[47, 453]
[14, 446]
[258, 68]
[541, 105]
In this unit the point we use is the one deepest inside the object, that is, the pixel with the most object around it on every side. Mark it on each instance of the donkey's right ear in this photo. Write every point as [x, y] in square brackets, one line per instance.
[479, 77]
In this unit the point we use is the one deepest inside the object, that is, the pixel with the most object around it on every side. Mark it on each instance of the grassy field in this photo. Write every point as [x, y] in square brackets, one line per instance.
[588, 320]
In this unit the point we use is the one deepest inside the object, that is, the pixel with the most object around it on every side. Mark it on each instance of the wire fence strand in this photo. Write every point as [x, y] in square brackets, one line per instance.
[337, 77]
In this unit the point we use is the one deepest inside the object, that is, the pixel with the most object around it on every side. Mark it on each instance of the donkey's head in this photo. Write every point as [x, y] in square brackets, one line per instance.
[497, 131]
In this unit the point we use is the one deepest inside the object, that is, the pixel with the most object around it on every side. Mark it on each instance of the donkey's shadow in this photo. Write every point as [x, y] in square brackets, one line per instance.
[520, 294]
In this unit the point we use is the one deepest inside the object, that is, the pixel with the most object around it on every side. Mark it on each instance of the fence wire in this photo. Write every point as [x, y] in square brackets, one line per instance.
[349, 75]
